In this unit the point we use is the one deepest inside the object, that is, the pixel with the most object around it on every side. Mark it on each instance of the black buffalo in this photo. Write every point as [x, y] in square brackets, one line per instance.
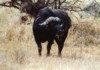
[50, 25]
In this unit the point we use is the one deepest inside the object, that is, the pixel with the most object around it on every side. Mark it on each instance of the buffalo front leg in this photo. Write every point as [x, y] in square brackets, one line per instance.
[60, 44]
[39, 48]
[49, 48]
[60, 41]
[60, 48]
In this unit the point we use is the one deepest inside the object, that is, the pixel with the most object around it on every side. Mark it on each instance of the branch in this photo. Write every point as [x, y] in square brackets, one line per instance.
[9, 4]
[97, 3]
[47, 2]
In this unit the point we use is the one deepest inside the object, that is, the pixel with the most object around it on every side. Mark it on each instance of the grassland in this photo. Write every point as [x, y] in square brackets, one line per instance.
[18, 50]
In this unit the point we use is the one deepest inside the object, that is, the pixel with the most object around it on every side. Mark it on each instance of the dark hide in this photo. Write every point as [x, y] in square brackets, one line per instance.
[53, 30]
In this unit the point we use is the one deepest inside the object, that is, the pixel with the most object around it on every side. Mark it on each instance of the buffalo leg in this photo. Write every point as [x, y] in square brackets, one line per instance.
[60, 41]
[60, 46]
[39, 48]
[49, 48]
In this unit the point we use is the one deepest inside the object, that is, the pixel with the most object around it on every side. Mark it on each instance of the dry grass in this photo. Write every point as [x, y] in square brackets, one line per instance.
[18, 49]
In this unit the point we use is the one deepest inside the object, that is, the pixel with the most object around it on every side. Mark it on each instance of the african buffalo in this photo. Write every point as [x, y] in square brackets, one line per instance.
[50, 25]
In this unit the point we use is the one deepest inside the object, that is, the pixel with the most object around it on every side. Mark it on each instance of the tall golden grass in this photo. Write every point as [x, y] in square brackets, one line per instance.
[18, 50]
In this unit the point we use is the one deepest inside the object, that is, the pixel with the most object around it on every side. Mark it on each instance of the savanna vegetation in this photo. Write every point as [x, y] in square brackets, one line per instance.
[18, 50]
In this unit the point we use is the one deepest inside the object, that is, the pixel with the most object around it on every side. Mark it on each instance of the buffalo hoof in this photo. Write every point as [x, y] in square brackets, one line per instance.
[40, 54]
[59, 55]
[48, 55]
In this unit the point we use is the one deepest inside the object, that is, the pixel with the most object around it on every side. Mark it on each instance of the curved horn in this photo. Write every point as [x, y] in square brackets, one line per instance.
[48, 20]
